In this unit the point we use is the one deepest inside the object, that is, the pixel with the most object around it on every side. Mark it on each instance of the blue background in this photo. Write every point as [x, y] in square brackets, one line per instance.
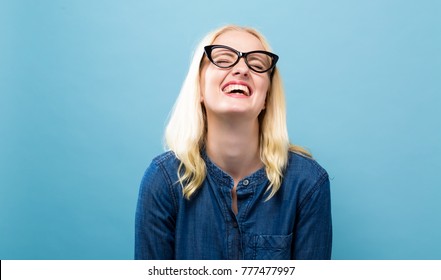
[86, 88]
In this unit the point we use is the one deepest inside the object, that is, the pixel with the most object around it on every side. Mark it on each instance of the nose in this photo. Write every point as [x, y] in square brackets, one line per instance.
[241, 68]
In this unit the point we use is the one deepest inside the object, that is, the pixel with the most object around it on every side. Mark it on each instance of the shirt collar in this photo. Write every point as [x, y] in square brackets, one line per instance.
[222, 177]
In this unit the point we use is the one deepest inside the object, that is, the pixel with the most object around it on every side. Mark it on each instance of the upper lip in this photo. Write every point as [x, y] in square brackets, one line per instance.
[238, 83]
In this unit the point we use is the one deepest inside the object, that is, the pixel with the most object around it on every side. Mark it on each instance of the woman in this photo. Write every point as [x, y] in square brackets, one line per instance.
[231, 185]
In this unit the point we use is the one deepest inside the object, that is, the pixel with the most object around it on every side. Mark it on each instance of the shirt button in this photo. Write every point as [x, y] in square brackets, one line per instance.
[245, 182]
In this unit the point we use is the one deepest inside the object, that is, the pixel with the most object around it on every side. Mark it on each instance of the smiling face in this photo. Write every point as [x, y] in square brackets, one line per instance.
[236, 91]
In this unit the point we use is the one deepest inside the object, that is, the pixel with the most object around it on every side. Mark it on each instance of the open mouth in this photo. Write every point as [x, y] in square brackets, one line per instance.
[237, 89]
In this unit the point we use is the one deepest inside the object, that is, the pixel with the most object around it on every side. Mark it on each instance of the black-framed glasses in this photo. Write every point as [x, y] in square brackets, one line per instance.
[226, 57]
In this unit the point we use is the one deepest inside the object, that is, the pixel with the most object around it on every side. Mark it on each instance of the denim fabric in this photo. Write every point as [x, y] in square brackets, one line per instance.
[294, 224]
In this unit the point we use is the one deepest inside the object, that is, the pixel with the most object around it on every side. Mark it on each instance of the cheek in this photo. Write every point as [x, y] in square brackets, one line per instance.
[262, 82]
[209, 81]
[264, 86]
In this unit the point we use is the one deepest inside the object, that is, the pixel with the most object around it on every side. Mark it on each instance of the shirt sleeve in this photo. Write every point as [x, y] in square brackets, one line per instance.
[155, 216]
[313, 230]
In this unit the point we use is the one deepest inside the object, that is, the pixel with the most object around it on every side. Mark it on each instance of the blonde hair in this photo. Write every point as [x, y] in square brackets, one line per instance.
[186, 130]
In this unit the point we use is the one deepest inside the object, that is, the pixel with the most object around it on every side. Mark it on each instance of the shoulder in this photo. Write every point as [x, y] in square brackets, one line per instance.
[165, 158]
[161, 171]
[166, 163]
[157, 188]
[304, 166]
[304, 176]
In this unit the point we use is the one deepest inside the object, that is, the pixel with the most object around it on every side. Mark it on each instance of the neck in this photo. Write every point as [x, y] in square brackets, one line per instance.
[234, 146]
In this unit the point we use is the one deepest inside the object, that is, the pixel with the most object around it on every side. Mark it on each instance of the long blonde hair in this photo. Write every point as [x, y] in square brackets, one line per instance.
[186, 132]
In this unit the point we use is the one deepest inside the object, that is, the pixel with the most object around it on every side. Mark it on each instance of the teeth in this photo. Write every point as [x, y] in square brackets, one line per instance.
[240, 89]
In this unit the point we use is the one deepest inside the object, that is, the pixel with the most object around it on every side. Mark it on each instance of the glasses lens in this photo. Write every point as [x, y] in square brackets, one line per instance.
[223, 57]
[259, 62]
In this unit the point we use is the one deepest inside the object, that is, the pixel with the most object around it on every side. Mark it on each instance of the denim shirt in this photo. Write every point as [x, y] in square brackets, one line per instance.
[294, 224]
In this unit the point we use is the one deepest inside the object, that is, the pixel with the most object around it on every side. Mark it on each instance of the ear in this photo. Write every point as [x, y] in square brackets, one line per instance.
[266, 98]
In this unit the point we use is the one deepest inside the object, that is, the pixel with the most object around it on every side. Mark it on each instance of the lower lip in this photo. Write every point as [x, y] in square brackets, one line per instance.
[236, 95]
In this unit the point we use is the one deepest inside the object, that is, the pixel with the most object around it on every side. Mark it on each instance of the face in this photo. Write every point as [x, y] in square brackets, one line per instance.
[237, 91]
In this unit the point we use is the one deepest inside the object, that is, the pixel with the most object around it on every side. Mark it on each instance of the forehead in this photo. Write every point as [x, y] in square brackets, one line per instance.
[239, 40]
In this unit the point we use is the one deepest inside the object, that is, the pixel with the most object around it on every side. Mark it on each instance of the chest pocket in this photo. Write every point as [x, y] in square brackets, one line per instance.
[272, 247]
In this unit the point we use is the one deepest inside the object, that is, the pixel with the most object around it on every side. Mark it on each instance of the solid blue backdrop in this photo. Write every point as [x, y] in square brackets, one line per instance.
[86, 88]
